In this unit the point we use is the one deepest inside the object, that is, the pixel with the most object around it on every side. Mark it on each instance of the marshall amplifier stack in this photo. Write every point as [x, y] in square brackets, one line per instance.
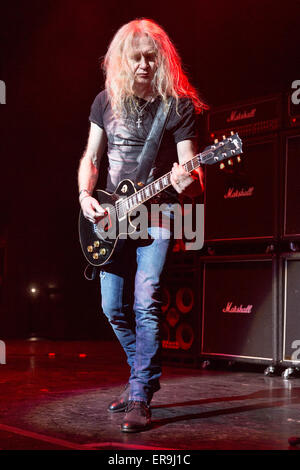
[289, 278]
[251, 301]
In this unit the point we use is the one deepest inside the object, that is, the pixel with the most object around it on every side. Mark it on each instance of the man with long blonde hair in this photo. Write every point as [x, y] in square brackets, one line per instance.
[142, 69]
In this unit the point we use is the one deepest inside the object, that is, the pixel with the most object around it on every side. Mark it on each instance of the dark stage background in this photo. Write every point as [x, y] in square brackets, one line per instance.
[50, 62]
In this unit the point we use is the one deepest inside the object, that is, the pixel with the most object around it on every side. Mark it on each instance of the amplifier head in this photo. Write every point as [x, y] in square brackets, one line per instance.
[249, 118]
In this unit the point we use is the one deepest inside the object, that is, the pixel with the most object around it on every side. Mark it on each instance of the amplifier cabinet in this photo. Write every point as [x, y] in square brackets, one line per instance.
[239, 312]
[290, 305]
[241, 194]
[291, 211]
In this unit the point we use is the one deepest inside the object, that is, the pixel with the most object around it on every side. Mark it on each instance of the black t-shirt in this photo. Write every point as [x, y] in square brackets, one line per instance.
[126, 139]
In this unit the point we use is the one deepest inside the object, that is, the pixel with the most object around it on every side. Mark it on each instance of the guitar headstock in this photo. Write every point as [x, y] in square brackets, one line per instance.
[226, 148]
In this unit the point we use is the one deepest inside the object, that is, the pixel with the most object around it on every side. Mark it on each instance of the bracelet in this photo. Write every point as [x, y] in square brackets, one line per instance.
[84, 191]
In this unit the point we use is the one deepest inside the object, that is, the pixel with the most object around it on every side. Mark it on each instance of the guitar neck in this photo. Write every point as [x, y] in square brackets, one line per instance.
[132, 202]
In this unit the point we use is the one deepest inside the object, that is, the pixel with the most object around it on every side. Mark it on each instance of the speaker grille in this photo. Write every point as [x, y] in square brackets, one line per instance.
[181, 315]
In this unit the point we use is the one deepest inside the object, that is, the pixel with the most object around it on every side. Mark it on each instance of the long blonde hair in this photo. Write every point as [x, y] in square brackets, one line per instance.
[169, 78]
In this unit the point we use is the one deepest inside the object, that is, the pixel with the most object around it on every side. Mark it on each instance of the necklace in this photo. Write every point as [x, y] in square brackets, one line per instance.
[140, 111]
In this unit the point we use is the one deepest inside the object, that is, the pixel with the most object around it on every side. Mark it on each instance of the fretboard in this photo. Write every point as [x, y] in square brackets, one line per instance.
[130, 203]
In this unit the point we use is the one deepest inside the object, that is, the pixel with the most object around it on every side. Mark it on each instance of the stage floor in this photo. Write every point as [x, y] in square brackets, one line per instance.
[54, 395]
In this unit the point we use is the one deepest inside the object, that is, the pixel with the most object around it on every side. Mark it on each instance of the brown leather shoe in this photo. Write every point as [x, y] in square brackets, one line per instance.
[137, 417]
[120, 403]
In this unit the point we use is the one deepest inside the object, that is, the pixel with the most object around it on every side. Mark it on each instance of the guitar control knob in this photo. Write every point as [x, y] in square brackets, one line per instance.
[95, 255]
[103, 251]
[90, 249]
[96, 244]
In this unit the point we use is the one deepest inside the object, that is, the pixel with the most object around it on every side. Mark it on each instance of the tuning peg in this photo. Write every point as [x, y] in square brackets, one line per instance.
[216, 141]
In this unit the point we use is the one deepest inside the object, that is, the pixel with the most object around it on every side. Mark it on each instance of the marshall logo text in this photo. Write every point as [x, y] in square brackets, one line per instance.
[230, 308]
[236, 193]
[239, 115]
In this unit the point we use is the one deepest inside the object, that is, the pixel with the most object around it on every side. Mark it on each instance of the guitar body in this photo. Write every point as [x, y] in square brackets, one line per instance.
[99, 241]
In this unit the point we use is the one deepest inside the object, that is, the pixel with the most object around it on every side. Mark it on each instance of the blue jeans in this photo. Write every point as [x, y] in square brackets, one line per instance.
[134, 279]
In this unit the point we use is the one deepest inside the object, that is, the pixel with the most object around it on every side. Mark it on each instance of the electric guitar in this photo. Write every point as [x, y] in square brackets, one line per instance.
[100, 241]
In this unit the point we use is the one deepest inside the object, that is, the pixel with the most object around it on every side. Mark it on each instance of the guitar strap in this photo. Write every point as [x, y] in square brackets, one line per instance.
[153, 142]
[146, 159]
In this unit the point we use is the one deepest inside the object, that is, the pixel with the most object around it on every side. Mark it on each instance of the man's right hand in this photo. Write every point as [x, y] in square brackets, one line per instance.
[91, 209]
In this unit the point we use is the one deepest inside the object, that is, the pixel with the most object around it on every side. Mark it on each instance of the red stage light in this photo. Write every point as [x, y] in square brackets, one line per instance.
[51, 354]
[81, 355]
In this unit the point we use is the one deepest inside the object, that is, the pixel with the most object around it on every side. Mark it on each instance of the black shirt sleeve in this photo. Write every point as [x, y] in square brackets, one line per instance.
[183, 121]
[96, 113]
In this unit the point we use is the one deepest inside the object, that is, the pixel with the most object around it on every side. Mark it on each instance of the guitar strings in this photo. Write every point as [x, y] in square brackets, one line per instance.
[133, 202]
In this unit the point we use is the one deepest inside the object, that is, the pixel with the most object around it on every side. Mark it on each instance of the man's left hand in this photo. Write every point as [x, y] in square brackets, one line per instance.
[180, 178]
